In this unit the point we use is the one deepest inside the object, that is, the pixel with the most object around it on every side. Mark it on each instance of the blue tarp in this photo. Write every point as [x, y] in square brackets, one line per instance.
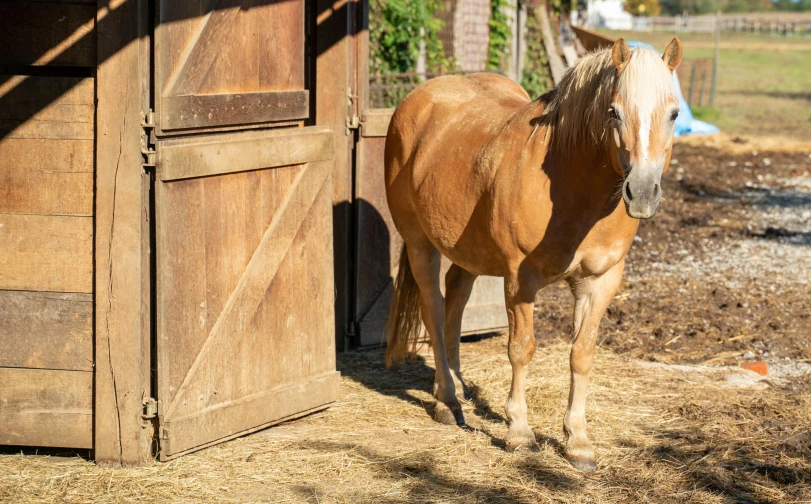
[685, 123]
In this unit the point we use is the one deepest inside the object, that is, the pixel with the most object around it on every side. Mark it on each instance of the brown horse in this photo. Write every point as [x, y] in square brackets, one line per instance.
[532, 191]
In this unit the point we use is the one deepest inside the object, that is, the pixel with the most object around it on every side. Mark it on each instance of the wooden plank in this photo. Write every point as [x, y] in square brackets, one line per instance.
[46, 253]
[43, 407]
[52, 33]
[592, 40]
[47, 107]
[46, 330]
[121, 436]
[375, 123]
[234, 152]
[249, 414]
[199, 111]
[46, 177]
[556, 66]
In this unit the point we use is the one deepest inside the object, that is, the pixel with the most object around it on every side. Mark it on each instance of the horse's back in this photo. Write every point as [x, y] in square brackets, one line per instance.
[434, 143]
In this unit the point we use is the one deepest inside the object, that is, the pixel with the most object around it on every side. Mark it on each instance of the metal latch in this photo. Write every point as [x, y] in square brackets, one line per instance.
[150, 408]
[352, 123]
[148, 137]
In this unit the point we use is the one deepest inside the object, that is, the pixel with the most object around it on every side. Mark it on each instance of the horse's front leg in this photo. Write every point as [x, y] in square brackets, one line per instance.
[520, 300]
[592, 297]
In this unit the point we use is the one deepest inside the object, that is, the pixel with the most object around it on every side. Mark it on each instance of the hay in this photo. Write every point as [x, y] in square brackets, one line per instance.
[663, 434]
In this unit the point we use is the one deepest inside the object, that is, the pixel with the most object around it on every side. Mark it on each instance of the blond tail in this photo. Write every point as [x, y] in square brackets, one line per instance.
[405, 322]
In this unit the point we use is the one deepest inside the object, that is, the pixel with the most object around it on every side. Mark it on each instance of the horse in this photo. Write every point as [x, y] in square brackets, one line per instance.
[533, 191]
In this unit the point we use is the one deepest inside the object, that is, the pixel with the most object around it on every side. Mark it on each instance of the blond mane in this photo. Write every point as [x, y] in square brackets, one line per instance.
[576, 111]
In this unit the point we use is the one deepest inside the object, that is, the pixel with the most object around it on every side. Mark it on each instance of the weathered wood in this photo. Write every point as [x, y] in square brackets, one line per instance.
[46, 253]
[203, 49]
[234, 152]
[47, 108]
[262, 241]
[42, 34]
[46, 177]
[46, 330]
[334, 78]
[556, 66]
[218, 65]
[199, 111]
[43, 407]
[121, 436]
[375, 123]
[248, 414]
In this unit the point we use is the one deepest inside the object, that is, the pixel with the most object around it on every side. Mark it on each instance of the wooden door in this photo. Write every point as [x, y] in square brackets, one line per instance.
[245, 330]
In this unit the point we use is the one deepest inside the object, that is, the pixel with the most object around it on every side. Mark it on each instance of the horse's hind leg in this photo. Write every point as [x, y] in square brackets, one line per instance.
[425, 261]
[458, 285]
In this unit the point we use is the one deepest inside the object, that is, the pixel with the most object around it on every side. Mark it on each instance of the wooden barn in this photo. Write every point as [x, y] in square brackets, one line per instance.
[192, 219]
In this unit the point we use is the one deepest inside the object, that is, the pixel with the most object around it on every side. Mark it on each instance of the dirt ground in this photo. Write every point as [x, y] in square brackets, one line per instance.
[721, 276]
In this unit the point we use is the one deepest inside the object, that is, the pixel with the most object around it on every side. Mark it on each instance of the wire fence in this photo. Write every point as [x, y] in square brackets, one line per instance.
[465, 37]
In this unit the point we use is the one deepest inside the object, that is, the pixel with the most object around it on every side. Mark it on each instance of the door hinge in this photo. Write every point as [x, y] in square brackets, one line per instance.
[148, 138]
[150, 408]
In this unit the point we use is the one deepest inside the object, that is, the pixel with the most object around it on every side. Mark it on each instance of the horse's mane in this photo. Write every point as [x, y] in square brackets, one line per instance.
[576, 110]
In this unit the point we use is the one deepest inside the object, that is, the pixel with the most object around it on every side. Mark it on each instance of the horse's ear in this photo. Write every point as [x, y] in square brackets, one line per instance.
[672, 55]
[621, 54]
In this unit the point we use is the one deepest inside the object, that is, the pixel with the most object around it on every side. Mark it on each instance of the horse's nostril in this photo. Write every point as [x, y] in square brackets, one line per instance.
[656, 191]
[628, 194]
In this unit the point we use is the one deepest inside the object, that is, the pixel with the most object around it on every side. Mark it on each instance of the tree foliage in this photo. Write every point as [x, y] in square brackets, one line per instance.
[500, 35]
[396, 28]
[643, 7]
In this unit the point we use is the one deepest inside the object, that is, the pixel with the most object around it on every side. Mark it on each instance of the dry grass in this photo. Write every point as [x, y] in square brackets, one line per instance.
[664, 434]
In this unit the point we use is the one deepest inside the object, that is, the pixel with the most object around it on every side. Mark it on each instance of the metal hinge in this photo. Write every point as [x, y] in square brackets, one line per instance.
[150, 408]
[148, 137]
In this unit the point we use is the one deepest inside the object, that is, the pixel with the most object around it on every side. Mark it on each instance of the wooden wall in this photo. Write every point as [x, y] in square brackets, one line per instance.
[47, 117]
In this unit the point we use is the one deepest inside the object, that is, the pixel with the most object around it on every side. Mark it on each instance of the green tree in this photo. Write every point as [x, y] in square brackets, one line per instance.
[643, 7]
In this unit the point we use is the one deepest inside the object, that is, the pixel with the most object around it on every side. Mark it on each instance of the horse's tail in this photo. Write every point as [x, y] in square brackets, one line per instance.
[405, 323]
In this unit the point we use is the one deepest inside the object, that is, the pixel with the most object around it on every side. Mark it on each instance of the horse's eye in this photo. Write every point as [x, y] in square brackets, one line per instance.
[674, 115]
[613, 115]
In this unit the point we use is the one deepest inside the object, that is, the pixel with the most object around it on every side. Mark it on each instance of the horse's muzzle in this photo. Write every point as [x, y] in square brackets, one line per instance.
[641, 197]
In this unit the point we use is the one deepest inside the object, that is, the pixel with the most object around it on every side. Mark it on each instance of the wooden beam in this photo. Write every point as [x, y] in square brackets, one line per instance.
[234, 152]
[200, 111]
[121, 436]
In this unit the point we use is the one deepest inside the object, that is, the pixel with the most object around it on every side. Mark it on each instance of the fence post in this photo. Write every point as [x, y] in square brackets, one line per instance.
[715, 57]
[692, 84]
[703, 85]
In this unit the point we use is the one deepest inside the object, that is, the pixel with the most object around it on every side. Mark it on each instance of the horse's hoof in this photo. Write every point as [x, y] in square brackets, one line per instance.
[520, 441]
[448, 416]
[585, 464]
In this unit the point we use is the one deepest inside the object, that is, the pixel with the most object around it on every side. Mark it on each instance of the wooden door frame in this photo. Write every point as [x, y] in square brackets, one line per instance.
[121, 234]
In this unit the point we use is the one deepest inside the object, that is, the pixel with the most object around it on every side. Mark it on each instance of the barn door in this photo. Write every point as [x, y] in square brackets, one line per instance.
[244, 278]
[377, 243]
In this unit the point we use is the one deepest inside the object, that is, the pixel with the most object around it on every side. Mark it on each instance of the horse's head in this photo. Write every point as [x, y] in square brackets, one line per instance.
[643, 110]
